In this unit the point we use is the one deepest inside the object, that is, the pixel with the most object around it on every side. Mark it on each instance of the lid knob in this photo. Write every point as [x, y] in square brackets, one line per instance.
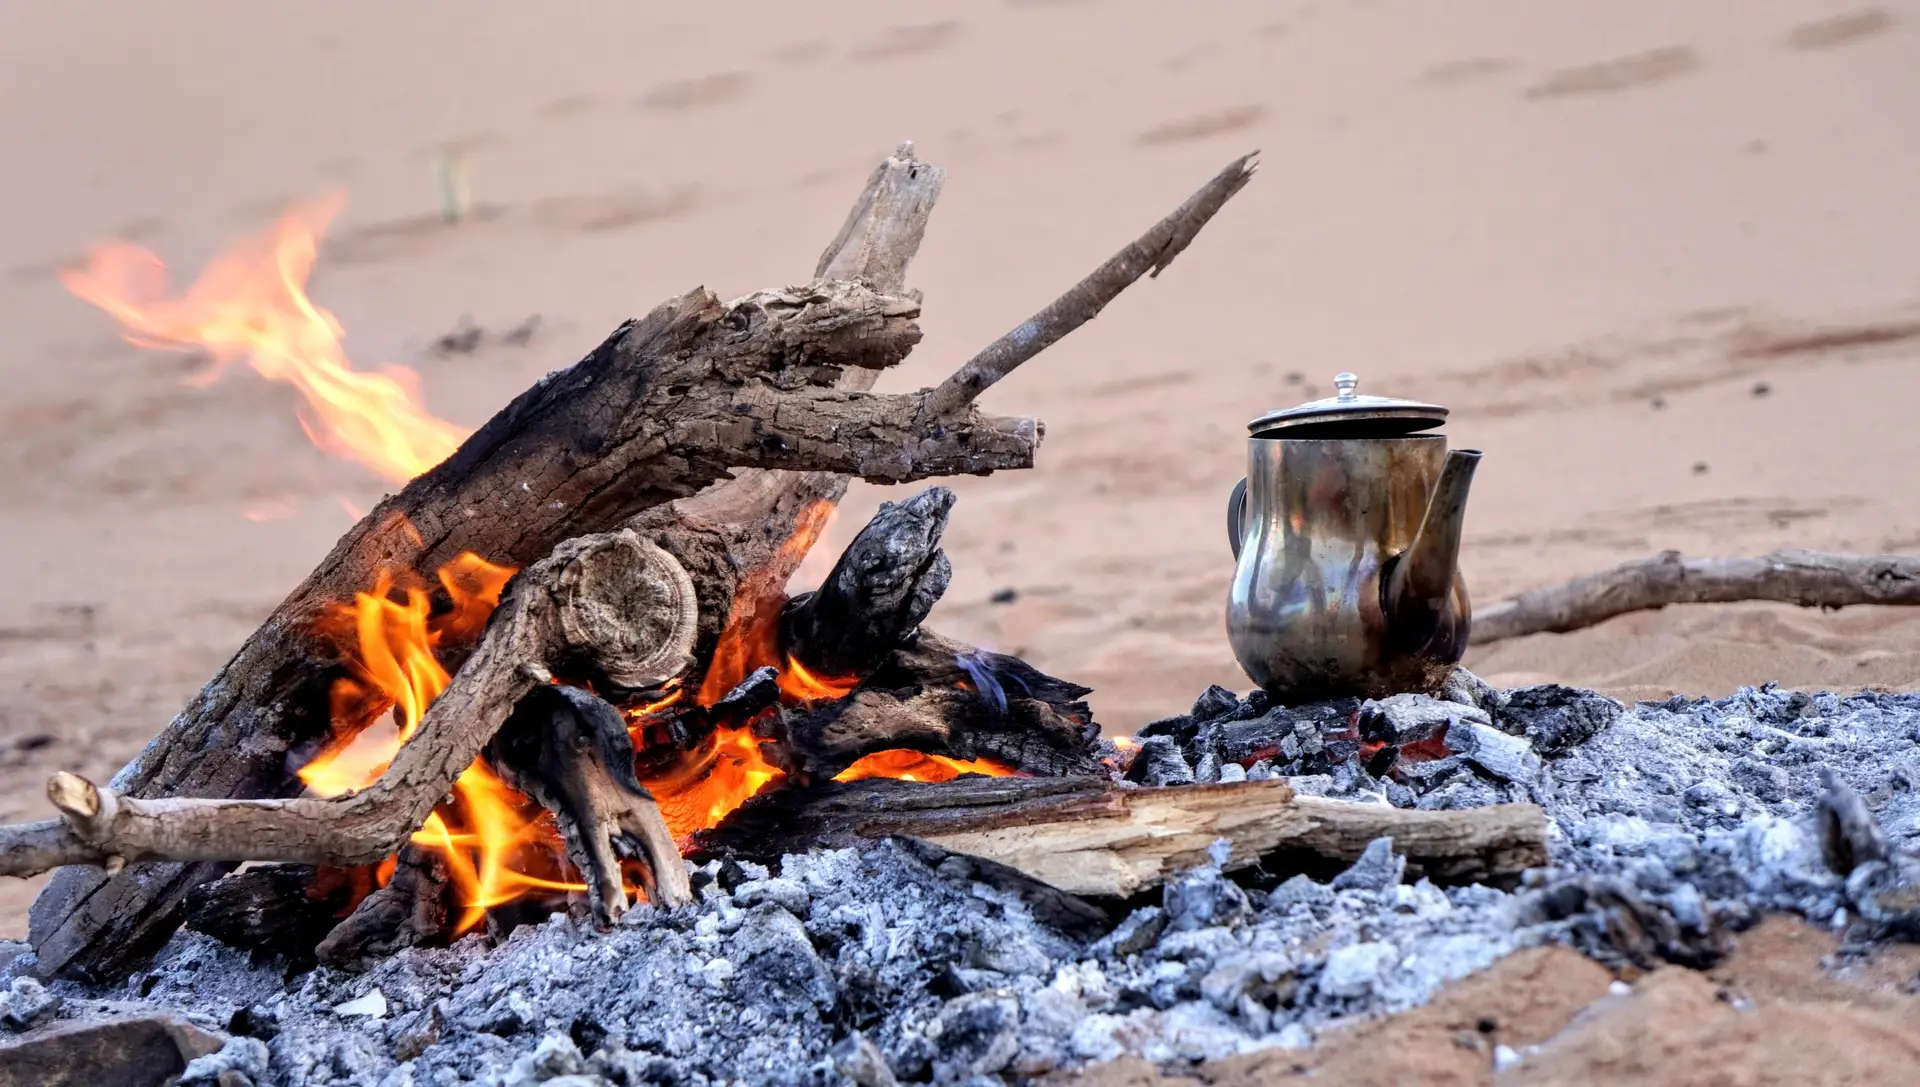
[1346, 383]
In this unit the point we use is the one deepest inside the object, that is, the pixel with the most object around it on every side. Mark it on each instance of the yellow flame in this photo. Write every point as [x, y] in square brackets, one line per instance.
[251, 303]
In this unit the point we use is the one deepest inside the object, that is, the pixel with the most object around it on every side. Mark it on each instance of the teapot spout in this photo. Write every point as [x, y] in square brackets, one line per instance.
[1421, 584]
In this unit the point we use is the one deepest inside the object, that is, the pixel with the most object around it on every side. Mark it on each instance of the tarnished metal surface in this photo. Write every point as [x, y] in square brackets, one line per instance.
[1310, 614]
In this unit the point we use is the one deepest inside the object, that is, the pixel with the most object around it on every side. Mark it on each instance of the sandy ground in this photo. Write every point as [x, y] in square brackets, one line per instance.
[1660, 259]
[1771, 1014]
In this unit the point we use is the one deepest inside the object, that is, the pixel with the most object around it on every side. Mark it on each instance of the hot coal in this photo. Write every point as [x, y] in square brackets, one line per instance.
[1675, 824]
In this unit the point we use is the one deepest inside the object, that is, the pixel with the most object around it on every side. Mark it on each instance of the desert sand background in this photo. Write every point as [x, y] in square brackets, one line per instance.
[1660, 259]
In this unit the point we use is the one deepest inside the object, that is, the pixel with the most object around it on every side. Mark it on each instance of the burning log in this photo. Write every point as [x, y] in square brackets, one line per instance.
[942, 697]
[1087, 836]
[773, 385]
[1807, 578]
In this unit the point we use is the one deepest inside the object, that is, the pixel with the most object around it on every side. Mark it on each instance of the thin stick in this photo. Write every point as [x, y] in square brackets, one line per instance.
[1147, 255]
[1807, 578]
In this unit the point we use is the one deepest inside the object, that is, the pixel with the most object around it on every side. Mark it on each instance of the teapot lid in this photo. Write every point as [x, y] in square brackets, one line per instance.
[1383, 416]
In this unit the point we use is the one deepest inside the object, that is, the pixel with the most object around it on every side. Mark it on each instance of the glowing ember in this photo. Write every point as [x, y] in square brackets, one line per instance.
[914, 766]
[251, 303]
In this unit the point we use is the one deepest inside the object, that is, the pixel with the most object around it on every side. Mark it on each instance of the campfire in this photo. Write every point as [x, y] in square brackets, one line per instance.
[560, 674]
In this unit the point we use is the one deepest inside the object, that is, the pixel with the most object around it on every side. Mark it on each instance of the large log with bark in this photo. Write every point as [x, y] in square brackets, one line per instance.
[773, 383]
[1088, 836]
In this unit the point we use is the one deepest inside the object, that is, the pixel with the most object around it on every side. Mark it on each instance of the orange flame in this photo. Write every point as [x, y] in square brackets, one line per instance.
[251, 303]
[915, 766]
[489, 833]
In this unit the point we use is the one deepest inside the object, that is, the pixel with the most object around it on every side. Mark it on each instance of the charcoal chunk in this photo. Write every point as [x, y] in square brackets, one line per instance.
[1214, 703]
[1160, 763]
[1180, 730]
[1409, 718]
[975, 1036]
[1254, 738]
[1505, 757]
[1555, 718]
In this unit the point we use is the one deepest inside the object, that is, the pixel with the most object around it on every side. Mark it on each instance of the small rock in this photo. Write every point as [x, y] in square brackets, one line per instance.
[1378, 868]
[784, 893]
[1160, 763]
[140, 1049]
[1699, 468]
[1354, 970]
[1003, 596]
[27, 1004]
[1508, 758]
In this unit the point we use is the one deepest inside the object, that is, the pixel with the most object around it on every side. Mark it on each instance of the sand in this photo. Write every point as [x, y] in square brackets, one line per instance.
[1659, 259]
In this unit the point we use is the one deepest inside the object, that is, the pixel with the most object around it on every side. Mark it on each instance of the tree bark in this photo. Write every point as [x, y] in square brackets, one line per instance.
[1807, 578]
[1089, 837]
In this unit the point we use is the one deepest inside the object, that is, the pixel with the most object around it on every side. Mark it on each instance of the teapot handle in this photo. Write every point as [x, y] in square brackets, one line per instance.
[1236, 517]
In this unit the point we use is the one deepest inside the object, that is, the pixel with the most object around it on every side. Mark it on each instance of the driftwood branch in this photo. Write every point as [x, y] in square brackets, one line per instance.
[613, 601]
[1807, 578]
[1089, 837]
[1147, 255]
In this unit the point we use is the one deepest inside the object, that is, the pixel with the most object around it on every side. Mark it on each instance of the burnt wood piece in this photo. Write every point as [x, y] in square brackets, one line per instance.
[1087, 836]
[276, 909]
[569, 751]
[943, 697]
[410, 911]
[612, 600]
[1807, 578]
[878, 592]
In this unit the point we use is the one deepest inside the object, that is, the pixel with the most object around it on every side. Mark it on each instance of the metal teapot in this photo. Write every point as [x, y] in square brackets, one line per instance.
[1347, 534]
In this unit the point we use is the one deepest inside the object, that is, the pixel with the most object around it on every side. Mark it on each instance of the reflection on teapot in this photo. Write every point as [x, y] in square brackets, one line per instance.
[1347, 533]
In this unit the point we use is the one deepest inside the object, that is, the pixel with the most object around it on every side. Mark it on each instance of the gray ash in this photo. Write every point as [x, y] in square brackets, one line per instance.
[1672, 825]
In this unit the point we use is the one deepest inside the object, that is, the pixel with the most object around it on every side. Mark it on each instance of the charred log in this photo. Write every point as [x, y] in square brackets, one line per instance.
[276, 909]
[882, 587]
[570, 752]
[1087, 836]
[410, 911]
[943, 697]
